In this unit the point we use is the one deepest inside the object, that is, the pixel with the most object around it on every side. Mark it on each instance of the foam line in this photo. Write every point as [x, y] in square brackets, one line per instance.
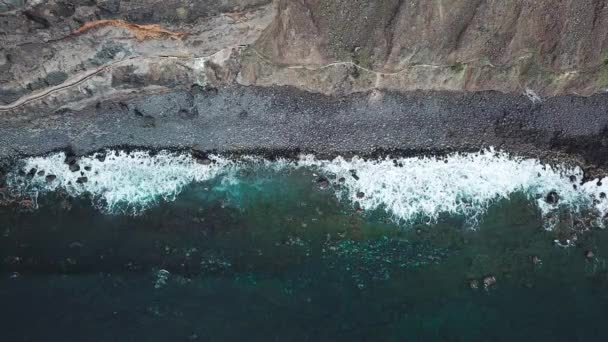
[461, 184]
[409, 189]
[123, 182]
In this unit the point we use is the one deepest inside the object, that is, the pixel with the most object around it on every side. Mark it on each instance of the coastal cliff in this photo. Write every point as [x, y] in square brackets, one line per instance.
[526, 76]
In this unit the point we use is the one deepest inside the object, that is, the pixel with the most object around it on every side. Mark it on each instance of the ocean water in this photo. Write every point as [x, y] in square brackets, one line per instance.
[160, 246]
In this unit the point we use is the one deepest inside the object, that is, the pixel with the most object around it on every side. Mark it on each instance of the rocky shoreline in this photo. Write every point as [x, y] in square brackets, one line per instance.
[128, 244]
[282, 77]
[283, 121]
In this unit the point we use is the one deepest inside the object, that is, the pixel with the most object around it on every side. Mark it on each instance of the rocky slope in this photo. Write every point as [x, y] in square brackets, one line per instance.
[549, 47]
[65, 64]
[330, 46]
[58, 53]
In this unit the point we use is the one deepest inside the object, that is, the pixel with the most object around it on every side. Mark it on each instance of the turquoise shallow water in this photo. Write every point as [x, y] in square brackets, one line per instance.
[276, 256]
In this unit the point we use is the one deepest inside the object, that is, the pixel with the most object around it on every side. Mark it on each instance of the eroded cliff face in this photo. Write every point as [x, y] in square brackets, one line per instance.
[549, 47]
[325, 76]
[68, 53]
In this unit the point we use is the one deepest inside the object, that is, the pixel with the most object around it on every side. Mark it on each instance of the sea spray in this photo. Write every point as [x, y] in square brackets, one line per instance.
[117, 181]
[408, 189]
[413, 189]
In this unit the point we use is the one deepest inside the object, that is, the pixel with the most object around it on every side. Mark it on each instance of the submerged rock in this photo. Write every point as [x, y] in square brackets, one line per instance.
[101, 156]
[32, 173]
[552, 197]
[323, 183]
[161, 278]
[50, 178]
[489, 281]
[204, 161]
[74, 167]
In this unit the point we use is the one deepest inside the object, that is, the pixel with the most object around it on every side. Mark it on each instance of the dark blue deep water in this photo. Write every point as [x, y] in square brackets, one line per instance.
[288, 261]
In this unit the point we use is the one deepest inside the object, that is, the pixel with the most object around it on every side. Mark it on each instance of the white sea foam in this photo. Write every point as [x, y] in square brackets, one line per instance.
[409, 189]
[461, 184]
[123, 182]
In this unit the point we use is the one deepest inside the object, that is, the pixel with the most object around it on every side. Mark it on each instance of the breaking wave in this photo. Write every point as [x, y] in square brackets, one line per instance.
[408, 189]
[117, 181]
